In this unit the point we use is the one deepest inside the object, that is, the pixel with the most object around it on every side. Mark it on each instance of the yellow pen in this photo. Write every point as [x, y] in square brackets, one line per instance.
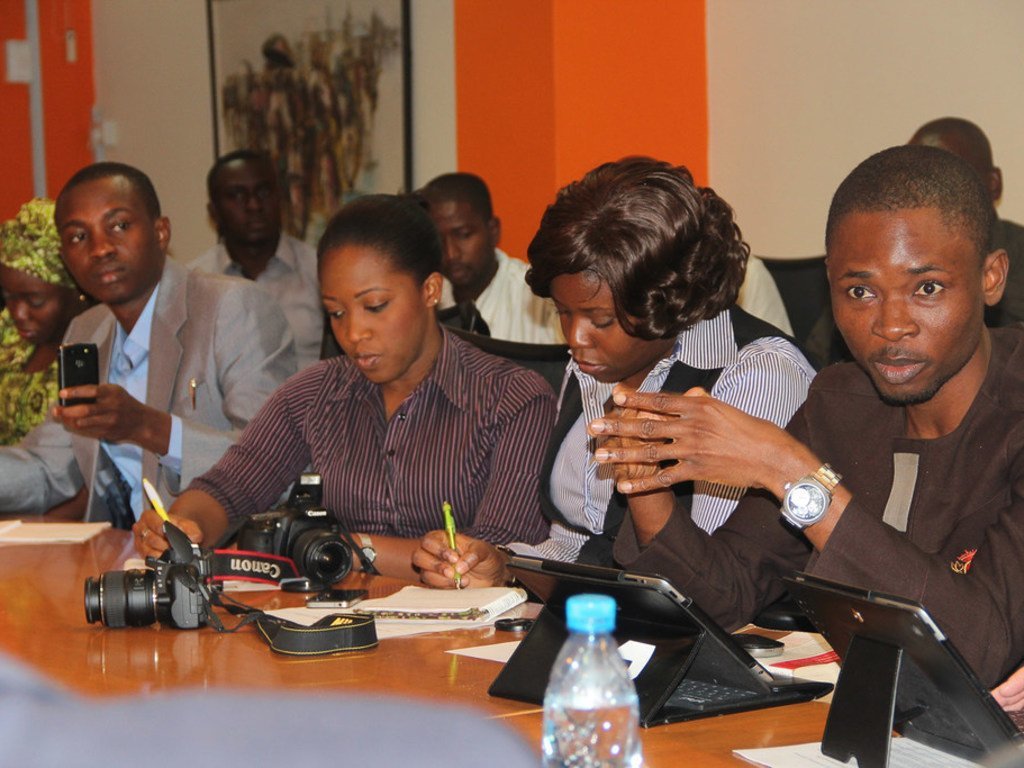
[154, 499]
[192, 392]
[449, 528]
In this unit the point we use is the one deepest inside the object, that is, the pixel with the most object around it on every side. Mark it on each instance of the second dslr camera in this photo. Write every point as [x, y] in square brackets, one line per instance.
[304, 531]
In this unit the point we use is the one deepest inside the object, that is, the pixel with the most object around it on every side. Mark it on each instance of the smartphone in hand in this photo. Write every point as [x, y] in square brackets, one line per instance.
[78, 364]
[336, 598]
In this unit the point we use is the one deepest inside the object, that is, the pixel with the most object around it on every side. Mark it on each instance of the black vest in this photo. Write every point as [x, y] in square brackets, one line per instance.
[681, 377]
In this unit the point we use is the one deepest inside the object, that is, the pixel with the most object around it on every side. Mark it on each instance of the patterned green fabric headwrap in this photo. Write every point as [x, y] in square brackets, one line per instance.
[29, 243]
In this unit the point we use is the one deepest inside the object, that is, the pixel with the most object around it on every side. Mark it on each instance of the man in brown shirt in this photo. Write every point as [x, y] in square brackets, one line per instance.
[904, 471]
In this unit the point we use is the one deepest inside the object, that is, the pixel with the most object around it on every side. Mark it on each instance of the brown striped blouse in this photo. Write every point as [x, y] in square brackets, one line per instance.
[472, 433]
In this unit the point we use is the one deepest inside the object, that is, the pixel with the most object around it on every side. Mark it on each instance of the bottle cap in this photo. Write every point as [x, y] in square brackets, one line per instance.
[590, 613]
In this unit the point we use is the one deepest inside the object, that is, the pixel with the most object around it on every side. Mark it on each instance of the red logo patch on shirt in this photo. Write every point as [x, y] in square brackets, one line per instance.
[962, 564]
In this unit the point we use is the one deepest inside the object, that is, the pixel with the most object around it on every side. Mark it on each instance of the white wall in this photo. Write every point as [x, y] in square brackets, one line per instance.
[153, 84]
[433, 89]
[800, 91]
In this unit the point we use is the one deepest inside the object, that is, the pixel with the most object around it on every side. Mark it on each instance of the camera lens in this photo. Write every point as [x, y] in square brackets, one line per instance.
[121, 598]
[322, 555]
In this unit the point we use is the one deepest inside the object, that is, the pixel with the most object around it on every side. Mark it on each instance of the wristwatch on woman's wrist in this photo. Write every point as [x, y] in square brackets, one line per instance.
[807, 500]
[369, 554]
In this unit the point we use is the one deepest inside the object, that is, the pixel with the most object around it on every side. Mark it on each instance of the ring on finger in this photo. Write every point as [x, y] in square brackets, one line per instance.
[144, 534]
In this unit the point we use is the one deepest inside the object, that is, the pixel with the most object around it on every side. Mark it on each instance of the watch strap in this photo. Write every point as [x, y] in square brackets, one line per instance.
[367, 548]
[828, 477]
[363, 550]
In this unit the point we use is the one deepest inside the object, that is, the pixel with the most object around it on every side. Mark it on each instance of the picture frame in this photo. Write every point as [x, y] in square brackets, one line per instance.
[322, 86]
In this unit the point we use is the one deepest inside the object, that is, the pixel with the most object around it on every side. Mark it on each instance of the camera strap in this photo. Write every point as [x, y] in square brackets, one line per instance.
[334, 633]
[240, 565]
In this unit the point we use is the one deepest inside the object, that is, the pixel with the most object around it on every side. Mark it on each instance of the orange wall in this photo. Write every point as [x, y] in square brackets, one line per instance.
[547, 89]
[68, 96]
[505, 107]
[68, 92]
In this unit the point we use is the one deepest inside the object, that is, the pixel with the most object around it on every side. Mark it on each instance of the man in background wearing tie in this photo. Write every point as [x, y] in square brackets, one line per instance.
[185, 359]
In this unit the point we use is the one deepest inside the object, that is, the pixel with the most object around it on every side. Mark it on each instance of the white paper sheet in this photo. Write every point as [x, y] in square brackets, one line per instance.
[20, 532]
[635, 654]
[499, 652]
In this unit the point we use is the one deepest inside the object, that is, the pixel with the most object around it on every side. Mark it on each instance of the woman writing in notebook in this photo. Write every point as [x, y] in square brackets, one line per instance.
[408, 418]
[644, 268]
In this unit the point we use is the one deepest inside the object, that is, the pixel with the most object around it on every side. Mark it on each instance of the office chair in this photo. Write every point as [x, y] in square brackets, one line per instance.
[548, 360]
[803, 285]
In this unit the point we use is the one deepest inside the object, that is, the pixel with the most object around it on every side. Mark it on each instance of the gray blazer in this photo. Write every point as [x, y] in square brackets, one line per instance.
[223, 332]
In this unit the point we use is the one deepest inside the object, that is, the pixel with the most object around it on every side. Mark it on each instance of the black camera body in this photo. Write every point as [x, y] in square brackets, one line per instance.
[310, 537]
[174, 593]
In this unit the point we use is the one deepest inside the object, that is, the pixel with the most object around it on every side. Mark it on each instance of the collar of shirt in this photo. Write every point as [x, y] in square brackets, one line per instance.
[448, 376]
[284, 256]
[497, 287]
[707, 344]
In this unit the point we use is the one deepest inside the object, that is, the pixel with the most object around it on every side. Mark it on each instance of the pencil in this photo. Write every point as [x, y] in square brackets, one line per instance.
[154, 499]
[449, 528]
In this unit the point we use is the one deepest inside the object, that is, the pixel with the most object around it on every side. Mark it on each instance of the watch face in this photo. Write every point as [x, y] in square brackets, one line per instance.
[806, 502]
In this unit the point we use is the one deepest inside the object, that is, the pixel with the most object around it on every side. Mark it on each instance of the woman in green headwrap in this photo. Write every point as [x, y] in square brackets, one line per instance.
[40, 299]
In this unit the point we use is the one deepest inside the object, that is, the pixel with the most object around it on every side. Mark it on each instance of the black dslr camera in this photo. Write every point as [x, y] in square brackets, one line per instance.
[174, 592]
[303, 531]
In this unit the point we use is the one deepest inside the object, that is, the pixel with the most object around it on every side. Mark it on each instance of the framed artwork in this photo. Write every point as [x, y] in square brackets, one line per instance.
[323, 86]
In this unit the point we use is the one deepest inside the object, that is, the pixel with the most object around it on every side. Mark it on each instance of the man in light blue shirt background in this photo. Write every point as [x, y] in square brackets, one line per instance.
[245, 206]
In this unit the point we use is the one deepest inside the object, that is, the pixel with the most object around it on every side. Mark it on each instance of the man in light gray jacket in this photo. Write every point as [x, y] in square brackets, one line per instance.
[185, 360]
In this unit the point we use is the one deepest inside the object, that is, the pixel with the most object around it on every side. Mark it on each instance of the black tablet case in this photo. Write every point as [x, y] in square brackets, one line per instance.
[688, 644]
[898, 671]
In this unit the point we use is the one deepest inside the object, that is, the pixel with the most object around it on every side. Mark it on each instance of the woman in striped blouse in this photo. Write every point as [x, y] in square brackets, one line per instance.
[644, 268]
[410, 417]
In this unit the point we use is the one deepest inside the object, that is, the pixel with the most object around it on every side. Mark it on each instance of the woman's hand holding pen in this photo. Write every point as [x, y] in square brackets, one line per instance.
[149, 533]
[478, 563]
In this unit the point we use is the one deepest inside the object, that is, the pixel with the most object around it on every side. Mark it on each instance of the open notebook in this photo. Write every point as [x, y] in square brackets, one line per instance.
[423, 604]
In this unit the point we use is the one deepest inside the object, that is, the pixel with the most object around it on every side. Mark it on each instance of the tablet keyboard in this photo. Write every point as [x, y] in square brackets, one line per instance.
[697, 694]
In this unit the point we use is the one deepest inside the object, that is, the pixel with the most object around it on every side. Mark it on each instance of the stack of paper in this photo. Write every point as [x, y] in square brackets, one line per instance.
[807, 655]
[18, 532]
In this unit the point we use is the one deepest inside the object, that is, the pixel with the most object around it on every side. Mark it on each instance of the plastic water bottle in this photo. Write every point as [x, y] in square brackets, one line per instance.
[591, 715]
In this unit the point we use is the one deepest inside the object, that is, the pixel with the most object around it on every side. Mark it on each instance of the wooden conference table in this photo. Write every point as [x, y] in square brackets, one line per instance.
[42, 621]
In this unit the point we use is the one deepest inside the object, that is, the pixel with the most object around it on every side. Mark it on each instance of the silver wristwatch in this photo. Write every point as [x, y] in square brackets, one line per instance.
[367, 548]
[807, 500]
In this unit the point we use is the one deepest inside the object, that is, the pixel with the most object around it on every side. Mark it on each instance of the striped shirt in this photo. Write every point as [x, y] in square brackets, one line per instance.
[767, 378]
[472, 433]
